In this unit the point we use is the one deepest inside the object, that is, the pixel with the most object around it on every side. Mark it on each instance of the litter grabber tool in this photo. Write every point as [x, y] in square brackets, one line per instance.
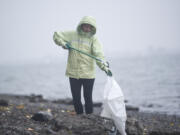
[108, 72]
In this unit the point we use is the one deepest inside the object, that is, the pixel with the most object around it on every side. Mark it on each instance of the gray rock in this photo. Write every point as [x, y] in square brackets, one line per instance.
[67, 101]
[97, 104]
[81, 125]
[126, 101]
[36, 98]
[3, 102]
[42, 116]
[133, 127]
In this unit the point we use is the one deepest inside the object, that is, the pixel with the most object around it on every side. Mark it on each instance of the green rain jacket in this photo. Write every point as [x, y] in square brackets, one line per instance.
[80, 65]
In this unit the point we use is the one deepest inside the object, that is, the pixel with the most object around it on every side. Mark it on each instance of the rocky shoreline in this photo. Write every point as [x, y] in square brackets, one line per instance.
[34, 115]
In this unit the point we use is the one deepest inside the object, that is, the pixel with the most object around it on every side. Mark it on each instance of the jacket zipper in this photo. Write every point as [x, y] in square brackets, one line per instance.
[78, 62]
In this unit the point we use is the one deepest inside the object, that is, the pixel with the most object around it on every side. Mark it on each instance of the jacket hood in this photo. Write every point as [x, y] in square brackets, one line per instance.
[87, 20]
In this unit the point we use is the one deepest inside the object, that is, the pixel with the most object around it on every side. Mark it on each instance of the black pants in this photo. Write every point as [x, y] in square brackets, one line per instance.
[76, 85]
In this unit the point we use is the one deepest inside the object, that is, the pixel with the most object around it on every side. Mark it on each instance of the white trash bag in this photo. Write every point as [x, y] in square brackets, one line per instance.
[113, 104]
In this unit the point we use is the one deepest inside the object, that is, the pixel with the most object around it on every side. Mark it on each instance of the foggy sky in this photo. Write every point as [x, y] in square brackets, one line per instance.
[124, 27]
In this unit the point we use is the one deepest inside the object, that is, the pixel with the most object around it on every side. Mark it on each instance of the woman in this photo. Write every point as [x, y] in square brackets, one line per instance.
[80, 67]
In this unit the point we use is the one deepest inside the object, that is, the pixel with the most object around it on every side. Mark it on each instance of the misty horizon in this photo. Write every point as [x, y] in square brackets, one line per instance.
[125, 28]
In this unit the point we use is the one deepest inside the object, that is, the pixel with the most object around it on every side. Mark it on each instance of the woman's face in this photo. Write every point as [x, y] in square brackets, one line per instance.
[86, 27]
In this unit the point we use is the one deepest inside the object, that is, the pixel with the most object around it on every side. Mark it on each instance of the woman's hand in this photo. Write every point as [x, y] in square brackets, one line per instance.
[108, 71]
[66, 46]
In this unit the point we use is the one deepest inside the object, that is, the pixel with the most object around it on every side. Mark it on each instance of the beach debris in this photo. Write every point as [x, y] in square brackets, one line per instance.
[20, 106]
[28, 116]
[72, 113]
[30, 129]
[2, 108]
[172, 124]
[62, 111]
[49, 110]
[68, 111]
[144, 131]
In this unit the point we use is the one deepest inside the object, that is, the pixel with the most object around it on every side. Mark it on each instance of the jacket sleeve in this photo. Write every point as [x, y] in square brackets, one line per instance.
[97, 51]
[61, 38]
